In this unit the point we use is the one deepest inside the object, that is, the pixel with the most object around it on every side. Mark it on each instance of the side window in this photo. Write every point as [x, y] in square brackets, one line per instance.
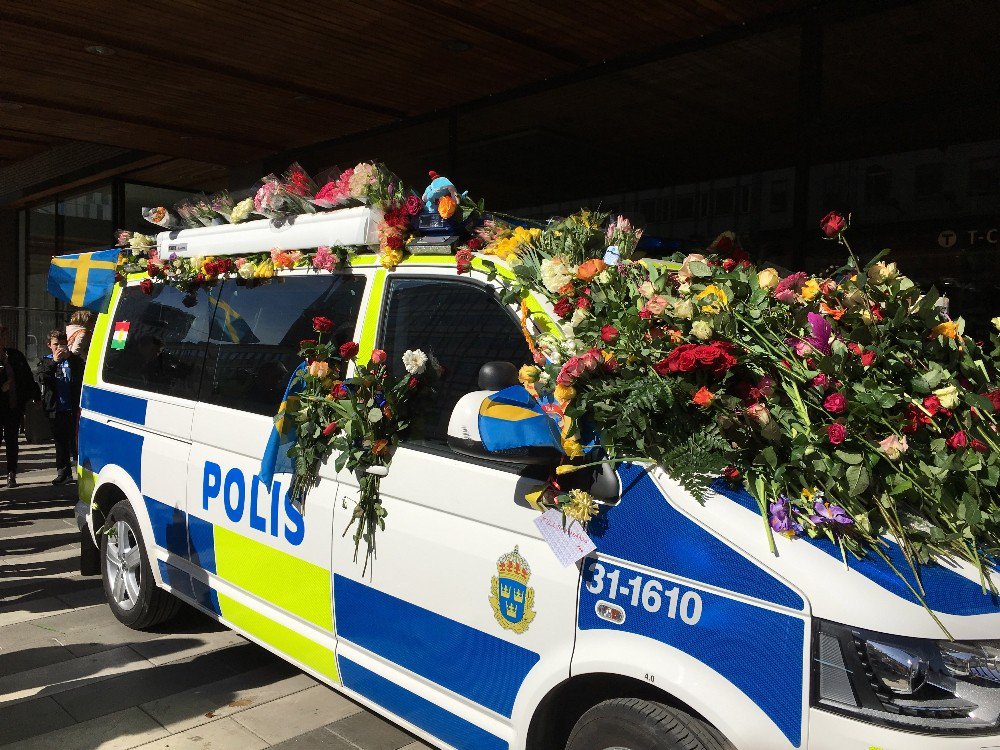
[254, 338]
[157, 340]
[461, 326]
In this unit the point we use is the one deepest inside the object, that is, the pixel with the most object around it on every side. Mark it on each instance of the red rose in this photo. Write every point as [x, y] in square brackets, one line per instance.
[994, 397]
[645, 314]
[611, 365]
[463, 260]
[413, 204]
[348, 350]
[835, 403]
[958, 440]
[867, 358]
[330, 429]
[833, 224]
[932, 404]
[819, 381]
[728, 264]
[855, 347]
[395, 241]
[979, 446]
[476, 243]
[609, 334]
[836, 433]
[199, 278]
[563, 308]
[146, 286]
[307, 343]
[663, 367]
[339, 391]
[584, 303]
[321, 324]
[731, 474]
[877, 313]
[682, 359]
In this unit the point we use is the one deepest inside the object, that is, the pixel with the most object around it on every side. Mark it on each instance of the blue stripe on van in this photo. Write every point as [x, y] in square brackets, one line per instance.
[118, 405]
[443, 724]
[201, 542]
[944, 590]
[756, 649]
[476, 665]
[169, 526]
[646, 529]
[101, 445]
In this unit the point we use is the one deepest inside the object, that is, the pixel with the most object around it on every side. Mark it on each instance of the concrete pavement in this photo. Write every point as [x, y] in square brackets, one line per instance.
[72, 677]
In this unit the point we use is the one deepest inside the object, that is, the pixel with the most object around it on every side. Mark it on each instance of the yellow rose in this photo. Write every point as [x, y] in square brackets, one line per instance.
[948, 396]
[701, 330]
[768, 278]
[810, 289]
[265, 270]
[572, 448]
[390, 258]
[528, 374]
[565, 393]
[996, 323]
[948, 329]
[719, 294]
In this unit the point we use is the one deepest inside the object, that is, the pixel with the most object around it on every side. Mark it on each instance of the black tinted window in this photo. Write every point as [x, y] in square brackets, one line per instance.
[460, 325]
[254, 339]
[157, 340]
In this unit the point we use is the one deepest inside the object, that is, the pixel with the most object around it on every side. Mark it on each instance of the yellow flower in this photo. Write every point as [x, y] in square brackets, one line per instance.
[565, 393]
[581, 506]
[571, 447]
[567, 469]
[808, 494]
[948, 329]
[810, 289]
[390, 258]
[996, 323]
[720, 296]
[768, 278]
[265, 270]
[528, 374]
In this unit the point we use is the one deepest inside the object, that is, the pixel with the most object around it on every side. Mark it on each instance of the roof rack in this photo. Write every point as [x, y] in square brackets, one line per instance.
[344, 227]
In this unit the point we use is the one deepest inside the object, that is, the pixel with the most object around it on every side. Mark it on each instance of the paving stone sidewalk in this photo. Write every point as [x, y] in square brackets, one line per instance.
[72, 677]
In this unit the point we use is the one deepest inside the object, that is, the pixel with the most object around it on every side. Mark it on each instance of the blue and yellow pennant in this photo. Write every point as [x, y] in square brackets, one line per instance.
[85, 279]
[283, 433]
[512, 418]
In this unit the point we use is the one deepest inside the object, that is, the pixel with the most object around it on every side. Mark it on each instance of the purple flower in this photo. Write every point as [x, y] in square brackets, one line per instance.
[780, 516]
[827, 514]
[818, 340]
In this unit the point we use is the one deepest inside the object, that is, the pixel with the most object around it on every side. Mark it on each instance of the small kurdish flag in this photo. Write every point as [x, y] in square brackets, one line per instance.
[120, 335]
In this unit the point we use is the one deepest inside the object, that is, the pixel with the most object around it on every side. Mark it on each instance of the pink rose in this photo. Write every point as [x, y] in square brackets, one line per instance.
[609, 334]
[379, 356]
[836, 433]
[835, 403]
[656, 304]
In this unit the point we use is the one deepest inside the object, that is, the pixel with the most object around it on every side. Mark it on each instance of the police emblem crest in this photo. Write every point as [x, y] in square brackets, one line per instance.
[511, 596]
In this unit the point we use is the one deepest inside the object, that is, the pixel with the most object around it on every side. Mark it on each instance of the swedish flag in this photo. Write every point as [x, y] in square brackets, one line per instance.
[85, 279]
[229, 325]
[283, 433]
[512, 418]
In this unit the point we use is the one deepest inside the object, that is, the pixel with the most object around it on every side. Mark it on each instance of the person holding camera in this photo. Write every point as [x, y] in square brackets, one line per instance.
[17, 388]
[61, 376]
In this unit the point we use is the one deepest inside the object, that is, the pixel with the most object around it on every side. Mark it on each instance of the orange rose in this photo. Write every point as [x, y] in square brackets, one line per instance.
[590, 269]
[379, 445]
[834, 312]
[703, 397]
[447, 207]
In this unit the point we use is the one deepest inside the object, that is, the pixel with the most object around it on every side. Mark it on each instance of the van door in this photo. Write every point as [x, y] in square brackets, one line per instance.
[436, 633]
[137, 402]
[267, 560]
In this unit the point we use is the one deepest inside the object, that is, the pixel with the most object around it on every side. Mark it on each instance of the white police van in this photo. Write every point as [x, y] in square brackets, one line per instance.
[679, 631]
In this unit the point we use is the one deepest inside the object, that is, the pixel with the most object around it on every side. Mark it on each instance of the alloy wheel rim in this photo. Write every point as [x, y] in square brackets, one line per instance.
[121, 565]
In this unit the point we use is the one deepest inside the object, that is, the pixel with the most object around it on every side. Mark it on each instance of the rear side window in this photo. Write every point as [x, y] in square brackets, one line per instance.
[254, 337]
[461, 326]
[157, 341]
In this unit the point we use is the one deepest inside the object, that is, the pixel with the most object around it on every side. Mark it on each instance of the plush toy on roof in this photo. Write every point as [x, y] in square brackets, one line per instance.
[440, 214]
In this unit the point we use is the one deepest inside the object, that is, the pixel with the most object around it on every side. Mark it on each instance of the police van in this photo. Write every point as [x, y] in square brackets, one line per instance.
[680, 630]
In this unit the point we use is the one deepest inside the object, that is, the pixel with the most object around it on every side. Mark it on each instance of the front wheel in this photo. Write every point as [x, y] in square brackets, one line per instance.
[635, 724]
[128, 580]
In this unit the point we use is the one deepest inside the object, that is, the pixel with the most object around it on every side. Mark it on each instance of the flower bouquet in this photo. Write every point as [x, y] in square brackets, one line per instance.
[160, 216]
[361, 418]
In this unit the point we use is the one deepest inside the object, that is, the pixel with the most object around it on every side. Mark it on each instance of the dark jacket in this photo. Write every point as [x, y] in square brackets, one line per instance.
[46, 377]
[24, 382]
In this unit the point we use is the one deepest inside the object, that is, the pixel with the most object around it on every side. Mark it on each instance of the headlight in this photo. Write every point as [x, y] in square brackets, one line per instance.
[939, 687]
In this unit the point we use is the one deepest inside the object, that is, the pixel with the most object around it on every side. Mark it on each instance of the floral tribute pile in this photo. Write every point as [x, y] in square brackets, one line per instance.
[851, 407]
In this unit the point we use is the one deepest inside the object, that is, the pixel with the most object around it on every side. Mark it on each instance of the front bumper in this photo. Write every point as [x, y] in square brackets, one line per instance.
[828, 731]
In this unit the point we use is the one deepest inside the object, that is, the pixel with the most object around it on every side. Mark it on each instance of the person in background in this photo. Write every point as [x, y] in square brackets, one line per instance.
[61, 376]
[78, 332]
[17, 388]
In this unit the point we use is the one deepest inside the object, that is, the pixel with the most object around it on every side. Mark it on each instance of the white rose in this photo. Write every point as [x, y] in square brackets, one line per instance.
[579, 315]
[604, 276]
[415, 361]
[996, 323]
[883, 273]
[684, 309]
[247, 270]
[701, 330]
[646, 289]
[948, 396]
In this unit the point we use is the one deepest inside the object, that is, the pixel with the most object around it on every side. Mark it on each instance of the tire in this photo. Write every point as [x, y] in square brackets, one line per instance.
[635, 724]
[132, 594]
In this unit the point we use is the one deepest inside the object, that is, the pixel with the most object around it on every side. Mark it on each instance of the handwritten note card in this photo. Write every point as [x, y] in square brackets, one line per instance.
[570, 543]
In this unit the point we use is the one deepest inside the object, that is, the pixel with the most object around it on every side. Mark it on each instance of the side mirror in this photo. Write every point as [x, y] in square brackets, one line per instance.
[506, 425]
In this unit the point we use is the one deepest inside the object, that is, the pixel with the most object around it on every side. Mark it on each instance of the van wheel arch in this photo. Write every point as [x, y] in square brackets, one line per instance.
[106, 497]
[562, 707]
